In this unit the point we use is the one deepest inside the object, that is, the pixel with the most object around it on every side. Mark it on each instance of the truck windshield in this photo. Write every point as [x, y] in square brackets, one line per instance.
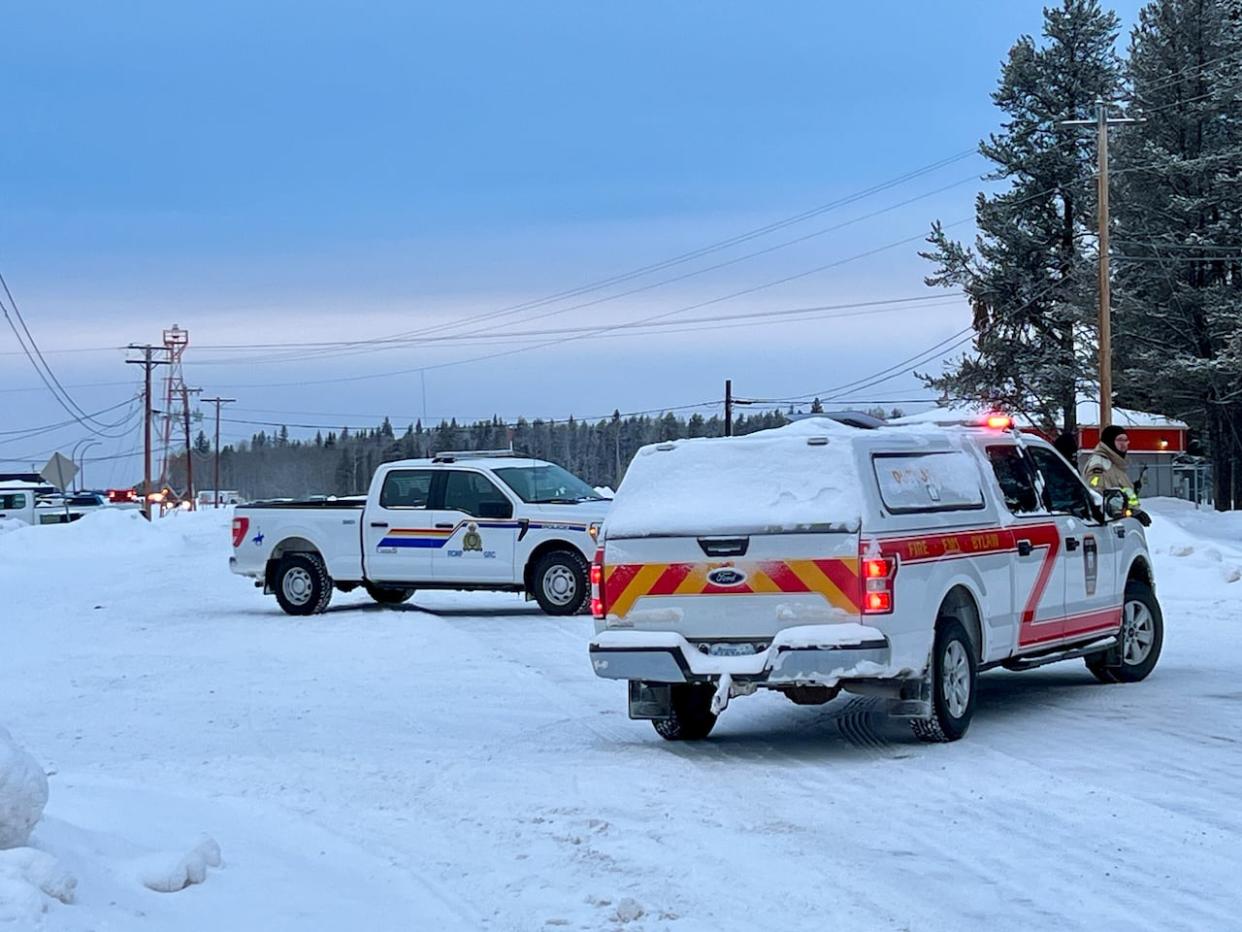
[547, 485]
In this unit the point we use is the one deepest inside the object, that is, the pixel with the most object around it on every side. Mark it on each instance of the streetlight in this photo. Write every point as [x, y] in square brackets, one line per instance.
[82, 463]
[73, 455]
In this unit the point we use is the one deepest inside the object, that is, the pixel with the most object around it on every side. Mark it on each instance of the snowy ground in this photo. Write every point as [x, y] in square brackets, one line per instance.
[455, 765]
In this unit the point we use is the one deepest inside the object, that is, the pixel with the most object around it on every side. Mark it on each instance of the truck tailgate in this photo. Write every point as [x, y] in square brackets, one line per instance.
[731, 588]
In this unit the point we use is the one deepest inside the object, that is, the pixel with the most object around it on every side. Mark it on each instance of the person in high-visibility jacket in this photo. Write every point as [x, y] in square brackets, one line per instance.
[1106, 467]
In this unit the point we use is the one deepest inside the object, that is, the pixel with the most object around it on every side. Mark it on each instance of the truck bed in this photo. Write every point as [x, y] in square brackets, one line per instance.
[354, 503]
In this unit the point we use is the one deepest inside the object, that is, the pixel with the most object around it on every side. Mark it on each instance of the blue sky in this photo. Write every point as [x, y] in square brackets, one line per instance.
[302, 171]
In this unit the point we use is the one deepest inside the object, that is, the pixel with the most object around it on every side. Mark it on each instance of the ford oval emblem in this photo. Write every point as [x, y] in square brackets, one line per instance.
[726, 576]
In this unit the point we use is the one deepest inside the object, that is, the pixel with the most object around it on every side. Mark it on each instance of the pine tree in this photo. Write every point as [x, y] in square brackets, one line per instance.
[1028, 276]
[202, 446]
[1178, 227]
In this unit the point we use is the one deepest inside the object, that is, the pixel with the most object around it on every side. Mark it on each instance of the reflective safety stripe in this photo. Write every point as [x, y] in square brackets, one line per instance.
[836, 581]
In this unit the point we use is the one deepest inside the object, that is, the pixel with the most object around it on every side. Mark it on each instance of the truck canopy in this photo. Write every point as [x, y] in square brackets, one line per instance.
[799, 477]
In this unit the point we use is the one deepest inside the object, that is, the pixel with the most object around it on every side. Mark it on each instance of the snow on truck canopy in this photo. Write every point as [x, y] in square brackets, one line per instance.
[790, 477]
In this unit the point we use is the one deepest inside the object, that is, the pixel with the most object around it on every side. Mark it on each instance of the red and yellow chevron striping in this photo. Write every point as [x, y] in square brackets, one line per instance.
[835, 580]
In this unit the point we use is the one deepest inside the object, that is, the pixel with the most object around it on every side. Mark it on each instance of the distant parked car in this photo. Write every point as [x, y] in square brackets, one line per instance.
[207, 497]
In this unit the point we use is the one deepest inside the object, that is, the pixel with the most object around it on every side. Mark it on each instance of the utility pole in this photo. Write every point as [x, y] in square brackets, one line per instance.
[1102, 122]
[148, 362]
[728, 407]
[189, 450]
[217, 401]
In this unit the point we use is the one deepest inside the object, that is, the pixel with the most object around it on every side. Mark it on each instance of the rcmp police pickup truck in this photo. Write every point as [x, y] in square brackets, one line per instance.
[893, 562]
[489, 520]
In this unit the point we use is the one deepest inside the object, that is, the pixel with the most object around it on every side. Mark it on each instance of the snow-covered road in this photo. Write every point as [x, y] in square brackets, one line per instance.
[454, 764]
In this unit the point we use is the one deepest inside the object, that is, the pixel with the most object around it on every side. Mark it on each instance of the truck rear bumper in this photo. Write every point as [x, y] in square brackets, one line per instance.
[253, 572]
[820, 655]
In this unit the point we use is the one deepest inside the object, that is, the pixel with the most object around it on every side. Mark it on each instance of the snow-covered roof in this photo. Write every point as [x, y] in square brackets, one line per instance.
[1088, 416]
[729, 485]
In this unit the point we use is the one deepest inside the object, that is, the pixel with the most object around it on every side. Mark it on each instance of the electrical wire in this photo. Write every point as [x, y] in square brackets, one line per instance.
[32, 352]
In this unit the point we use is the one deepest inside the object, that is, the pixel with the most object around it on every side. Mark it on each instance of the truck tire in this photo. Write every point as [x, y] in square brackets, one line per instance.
[954, 678]
[692, 718]
[1142, 638]
[560, 582]
[303, 586]
[388, 596]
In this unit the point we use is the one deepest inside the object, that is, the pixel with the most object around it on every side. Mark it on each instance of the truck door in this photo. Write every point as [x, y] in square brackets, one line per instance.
[1092, 601]
[1038, 572]
[479, 532]
[398, 537]
[18, 505]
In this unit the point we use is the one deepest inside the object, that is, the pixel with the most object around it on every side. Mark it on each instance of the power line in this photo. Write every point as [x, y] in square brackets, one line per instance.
[820, 312]
[27, 432]
[1177, 76]
[706, 250]
[356, 347]
[30, 348]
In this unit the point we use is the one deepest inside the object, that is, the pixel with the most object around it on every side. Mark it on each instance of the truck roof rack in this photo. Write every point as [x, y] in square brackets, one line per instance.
[451, 456]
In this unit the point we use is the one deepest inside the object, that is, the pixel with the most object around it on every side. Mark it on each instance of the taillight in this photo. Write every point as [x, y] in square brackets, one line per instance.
[598, 608]
[240, 527]
[878, 574]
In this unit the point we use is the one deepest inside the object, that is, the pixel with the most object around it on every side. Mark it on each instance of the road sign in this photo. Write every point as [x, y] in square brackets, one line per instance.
[59, 471]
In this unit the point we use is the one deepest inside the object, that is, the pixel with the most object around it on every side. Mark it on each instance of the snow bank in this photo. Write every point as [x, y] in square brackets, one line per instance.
[23, 793]
[27, 876]
[165, 874]
[771, 480]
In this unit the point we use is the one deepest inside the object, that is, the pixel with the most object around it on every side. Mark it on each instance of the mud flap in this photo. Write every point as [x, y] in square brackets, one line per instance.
[650, 701]
[914, 701]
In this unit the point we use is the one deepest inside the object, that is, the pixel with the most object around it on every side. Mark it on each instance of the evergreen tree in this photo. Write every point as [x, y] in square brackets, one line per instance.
[202, 446]
[1178, 227]
[1028, 277]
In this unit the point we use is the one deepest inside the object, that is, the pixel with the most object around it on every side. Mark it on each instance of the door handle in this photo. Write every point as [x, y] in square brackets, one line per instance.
[379, 524]
[445, 525]
[1024, 548]
[1071, 543]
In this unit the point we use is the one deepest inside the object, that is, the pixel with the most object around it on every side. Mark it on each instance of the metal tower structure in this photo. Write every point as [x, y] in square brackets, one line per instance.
[175, 410]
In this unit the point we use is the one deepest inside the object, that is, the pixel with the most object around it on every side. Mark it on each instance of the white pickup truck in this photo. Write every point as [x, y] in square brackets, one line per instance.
[42, 504]
[474, 521]
[894, 562]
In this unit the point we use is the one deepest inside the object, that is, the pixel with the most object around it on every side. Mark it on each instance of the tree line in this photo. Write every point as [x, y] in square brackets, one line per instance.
[274, 465]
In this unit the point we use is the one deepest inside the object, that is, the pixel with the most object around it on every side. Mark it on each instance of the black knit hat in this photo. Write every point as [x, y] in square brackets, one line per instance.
[1109, 436]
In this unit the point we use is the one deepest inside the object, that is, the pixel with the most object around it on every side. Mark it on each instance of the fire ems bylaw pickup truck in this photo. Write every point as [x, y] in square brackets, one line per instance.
[489, 520]
[893, 562]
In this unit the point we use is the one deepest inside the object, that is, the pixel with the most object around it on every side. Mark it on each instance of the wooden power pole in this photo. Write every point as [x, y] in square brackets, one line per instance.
[148, 362]
[1102, 122]
[189, 449]
[728, 407]
[216, 478]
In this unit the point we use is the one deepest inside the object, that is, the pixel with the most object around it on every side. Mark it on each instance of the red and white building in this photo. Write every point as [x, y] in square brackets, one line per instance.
[1148, 433]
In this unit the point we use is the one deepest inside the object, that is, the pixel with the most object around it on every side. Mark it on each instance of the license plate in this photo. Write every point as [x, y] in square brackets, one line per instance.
[730, 650]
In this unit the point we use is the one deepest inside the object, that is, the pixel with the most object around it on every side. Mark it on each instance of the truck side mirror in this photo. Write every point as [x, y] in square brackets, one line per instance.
[1115, 505]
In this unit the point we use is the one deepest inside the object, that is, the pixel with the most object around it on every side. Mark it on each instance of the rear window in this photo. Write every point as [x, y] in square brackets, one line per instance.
[406, 488]
[928, 482]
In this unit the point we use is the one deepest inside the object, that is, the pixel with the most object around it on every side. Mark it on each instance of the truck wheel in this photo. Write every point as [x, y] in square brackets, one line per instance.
[954, 677]
[560, 582]
[303, 586]
[1142, 637]
[692, 718]
[388, 596]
